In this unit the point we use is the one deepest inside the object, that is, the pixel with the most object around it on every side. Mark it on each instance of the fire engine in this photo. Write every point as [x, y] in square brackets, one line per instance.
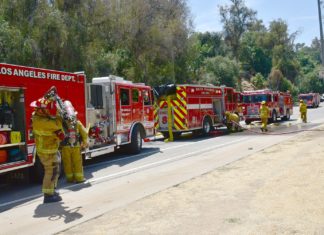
[310, 99]
[192, 108]
[118, 113]
[280, 105]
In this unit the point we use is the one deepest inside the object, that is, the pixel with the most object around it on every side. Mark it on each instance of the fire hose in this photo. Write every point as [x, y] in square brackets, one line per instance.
[271, 133]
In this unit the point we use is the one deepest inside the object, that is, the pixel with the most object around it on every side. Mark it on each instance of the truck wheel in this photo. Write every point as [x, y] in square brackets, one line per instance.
[288, 114]
[136, 141]
[247, 122]
[207, 126]
[274, 117]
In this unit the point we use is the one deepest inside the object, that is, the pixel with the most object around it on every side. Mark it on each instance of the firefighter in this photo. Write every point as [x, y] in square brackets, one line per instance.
[48, 133]
[232, 121]
[264, 114]
[303, 111]
[76, 138]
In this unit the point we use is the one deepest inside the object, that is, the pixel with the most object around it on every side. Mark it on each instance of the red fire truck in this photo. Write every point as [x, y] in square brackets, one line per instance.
[310, 99]
[280, 105]
[194, 108]
[117, 112]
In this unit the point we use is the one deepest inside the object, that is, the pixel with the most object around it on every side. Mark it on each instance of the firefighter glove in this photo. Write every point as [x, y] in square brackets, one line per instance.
[60, 134]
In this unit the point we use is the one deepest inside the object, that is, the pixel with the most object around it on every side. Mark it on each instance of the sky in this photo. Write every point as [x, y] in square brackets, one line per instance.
[300, 15]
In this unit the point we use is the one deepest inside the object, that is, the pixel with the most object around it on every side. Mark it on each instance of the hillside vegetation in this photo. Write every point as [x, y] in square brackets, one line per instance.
[153, 41]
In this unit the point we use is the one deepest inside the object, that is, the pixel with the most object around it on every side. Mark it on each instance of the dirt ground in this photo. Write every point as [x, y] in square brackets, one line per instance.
[279, 190]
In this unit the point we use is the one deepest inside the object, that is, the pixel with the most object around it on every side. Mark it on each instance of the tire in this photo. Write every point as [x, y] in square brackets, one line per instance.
[136, 141]
[274, 117]
[207, 126]
[247, 122]
[288, 115]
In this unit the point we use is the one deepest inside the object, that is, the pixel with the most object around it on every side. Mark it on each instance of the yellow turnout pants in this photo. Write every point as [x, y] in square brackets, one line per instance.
[51, 163]
[303, 116]
[264, 123]
[72, 163]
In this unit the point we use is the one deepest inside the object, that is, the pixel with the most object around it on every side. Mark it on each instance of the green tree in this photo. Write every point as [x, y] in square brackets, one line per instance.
[220, 71]
[253, 56]
[281, 45]
[275, 79]
[258, 81]
[236, 19]
[11, 43]
[312, 83]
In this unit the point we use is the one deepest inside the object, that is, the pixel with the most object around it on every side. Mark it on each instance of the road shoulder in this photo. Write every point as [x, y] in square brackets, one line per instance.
[278, 190]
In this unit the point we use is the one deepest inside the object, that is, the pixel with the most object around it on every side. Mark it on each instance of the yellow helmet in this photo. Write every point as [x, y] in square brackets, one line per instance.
[301, 101]
[263, 102]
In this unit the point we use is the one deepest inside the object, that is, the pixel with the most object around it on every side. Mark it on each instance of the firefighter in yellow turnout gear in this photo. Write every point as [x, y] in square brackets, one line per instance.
[264, 115]
[303, 111]
[76, 138]
[48, 133]
[231, 120]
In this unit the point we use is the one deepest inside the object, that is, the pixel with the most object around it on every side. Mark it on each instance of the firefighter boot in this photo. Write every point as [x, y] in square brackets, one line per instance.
[52, 198]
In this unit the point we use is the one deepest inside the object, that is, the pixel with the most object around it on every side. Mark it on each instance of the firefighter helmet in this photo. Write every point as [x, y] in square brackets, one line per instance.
[301, 101]
[263, 102]
[48, 107]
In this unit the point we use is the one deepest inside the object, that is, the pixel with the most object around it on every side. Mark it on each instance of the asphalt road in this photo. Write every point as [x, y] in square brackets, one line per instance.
[116, 180]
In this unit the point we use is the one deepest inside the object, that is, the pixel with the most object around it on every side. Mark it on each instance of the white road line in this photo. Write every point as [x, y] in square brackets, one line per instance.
[158, 163]
[144, 154]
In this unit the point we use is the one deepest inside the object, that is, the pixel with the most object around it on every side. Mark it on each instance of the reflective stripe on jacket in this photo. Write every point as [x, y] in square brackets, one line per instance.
[44, 130]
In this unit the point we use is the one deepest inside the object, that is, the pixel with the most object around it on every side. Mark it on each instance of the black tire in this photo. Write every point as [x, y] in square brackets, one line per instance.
[207, 126]
[247, 122]
[136, 141]
[274, 117]
[287, 115]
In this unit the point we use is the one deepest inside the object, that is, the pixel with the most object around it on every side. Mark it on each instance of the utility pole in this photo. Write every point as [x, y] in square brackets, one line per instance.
[321, 31]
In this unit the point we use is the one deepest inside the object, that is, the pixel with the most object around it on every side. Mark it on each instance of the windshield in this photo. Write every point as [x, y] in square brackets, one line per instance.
[254, 98]
[306, 97]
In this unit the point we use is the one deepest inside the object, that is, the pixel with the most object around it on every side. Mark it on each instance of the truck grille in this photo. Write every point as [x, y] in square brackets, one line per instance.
[253, 110]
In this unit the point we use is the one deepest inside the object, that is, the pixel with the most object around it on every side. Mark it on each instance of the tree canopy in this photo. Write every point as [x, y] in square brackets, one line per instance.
[153, 41]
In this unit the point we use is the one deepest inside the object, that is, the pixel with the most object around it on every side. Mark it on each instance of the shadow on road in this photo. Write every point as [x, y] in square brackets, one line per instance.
[14, 194]
[56, 211]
